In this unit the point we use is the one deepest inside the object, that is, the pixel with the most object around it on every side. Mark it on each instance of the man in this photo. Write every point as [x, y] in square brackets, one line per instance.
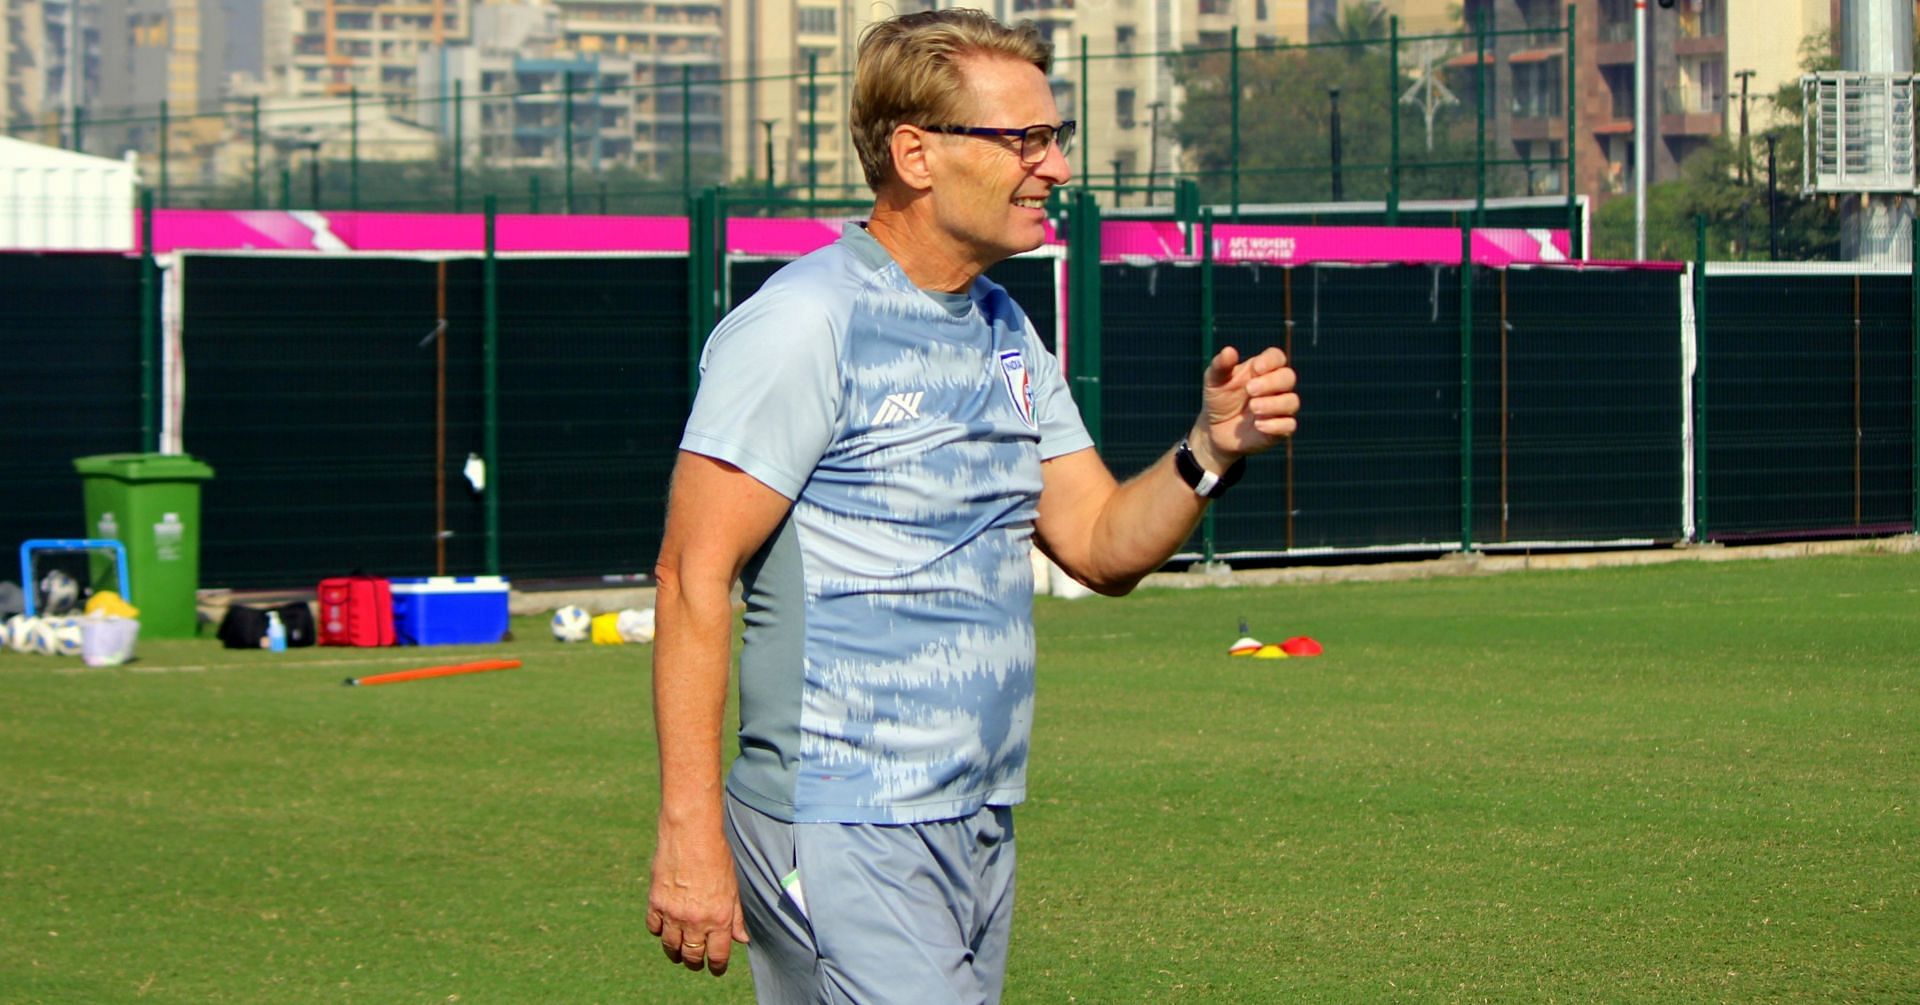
[879, 440]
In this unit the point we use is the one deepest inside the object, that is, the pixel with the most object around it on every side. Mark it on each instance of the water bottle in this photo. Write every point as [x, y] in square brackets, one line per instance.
[276, 633]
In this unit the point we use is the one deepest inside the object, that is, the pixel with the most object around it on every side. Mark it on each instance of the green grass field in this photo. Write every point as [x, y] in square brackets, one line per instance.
[1683, 783]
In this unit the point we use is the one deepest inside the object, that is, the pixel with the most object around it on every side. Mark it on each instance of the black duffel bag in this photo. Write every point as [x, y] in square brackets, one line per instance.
[246, 627]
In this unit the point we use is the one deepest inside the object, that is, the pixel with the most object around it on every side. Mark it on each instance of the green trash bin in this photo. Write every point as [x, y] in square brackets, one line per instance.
[151, 504]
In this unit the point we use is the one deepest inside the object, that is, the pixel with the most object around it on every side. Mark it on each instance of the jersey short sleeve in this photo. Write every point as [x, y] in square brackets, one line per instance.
[1062, 431]
[769, 387]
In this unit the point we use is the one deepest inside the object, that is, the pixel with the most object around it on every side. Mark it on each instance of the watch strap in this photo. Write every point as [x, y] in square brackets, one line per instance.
[1204, 483]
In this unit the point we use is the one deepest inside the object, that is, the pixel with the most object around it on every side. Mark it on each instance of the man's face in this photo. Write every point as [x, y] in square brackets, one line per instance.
[985, 198]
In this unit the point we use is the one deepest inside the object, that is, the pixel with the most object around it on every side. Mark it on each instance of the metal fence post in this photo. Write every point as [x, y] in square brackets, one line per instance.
[490, 386]
[1700, 494]
[459, 152]
[1393, 114]
[353, 148]
[1575, 246]
[1233, 67]
[1086, 121]
[79, 129]
[566, 113]
[1466, 389]
[696, 276]
[1480, 122]
[163, 151]
[1083, 312]
[149, 330]
[1913, 320]
[686, 132]
[813, 129]
[1206, 351]
[255, 129]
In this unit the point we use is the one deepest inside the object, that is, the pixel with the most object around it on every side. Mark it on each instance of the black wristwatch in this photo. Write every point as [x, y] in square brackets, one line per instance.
[1204, 483]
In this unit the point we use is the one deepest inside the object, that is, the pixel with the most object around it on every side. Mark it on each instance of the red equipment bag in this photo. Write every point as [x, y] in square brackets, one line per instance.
[356, 611]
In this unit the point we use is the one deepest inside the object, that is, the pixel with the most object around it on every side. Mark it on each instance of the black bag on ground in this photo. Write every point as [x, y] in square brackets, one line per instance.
[245, 627]
[298, 617]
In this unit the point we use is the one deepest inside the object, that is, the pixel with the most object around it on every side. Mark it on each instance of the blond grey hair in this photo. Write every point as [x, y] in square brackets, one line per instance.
[908, 72]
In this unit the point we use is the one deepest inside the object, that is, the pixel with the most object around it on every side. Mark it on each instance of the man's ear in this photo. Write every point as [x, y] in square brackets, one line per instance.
[911, 157]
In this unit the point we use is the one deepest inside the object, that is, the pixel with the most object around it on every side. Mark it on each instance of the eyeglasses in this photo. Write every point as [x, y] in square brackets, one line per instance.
[1034, 140]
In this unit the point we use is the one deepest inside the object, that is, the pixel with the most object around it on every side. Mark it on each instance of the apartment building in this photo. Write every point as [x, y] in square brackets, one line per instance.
[331, 48]
[640, 80]
[513, 86]
[789, 65]
[22, 73]
[1697, 52]
[674, 52]
[70, 61]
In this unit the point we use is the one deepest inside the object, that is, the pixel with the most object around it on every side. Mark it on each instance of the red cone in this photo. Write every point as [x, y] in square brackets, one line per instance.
[1300, 645]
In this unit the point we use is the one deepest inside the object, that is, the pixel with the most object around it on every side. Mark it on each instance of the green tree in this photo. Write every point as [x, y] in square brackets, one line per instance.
[1286, 110]
[1806, 224]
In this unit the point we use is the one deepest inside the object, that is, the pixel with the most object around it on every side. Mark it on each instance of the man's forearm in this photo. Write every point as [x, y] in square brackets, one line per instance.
[1146, 520]
[692, 653]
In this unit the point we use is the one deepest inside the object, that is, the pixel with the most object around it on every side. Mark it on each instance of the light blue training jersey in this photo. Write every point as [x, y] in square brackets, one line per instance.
[887, 672]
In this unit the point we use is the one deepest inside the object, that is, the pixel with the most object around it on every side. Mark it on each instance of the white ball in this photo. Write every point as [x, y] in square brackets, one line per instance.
[635, 626]
[20, 633]
[571, 624]
[6, 633]
[66, 637]
[40, 638]
[60, 591]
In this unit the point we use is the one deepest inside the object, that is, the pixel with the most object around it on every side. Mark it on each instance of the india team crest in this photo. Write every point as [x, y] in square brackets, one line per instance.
[1013, 369]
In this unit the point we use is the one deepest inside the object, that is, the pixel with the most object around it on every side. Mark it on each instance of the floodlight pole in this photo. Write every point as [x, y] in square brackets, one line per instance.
[1640, 130]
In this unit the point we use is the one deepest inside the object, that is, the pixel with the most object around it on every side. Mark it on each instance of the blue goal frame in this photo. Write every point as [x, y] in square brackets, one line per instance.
[28, 547]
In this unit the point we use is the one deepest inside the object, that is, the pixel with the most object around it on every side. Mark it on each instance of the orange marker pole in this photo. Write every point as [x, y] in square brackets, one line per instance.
[424, 672]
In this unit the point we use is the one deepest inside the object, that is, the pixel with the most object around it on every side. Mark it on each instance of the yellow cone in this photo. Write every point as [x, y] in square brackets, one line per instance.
[606, 630]
[109, 604]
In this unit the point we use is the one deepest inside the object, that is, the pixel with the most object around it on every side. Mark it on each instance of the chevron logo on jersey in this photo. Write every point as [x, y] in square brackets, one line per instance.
[898, 407]
[1013, 368]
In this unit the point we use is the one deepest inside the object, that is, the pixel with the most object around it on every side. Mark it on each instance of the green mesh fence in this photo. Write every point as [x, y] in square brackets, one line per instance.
[70, 342]
[593, 396]
[314, 394]
[1810, 405]
[313, 389]
[313, 397]
[1578, 400]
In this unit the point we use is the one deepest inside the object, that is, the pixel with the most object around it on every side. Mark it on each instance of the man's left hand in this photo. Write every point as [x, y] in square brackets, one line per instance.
[1250, 405]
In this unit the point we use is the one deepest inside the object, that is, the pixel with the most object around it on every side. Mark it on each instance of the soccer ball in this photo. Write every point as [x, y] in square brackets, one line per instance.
[636, 625]
[40, 641]
[20, 633]
[66, 637]
[59, 591]
[571, 624]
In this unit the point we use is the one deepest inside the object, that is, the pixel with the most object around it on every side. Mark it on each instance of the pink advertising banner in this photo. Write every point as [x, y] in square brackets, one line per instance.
[296, 230]
[1121, 240]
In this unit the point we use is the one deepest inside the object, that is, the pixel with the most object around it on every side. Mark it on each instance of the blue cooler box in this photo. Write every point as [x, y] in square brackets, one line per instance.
[449, 610]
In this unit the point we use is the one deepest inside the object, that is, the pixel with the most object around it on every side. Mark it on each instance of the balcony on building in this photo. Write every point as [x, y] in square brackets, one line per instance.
[1692, 111]
[1615, 43]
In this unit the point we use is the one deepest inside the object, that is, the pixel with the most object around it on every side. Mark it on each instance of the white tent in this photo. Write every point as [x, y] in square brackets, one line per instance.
[58, 200]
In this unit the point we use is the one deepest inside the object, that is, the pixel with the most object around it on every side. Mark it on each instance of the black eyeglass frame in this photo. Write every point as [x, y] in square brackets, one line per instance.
[1060, 135]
